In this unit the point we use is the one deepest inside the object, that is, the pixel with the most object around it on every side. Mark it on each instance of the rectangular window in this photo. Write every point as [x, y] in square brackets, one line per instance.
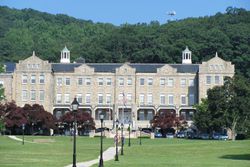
[121, 98]
[24, 95]
[88, 81]
[100, 98]
[141, 99]
[191, 99]
[32, 95]
[183, 100]
[24, 79]
[162, 99]
[121, 81]
[191, 82]
[108, 98]
[170, 82]
[33, 79]
[150, 99]
[88, 98]
[208, 81]
[142, 80]
[217, 80]
[100, 81]
[41, 79]
[59, 81]
[66, 98]
[80, 81]
[108, 81]
[129, 98]
[183, 82]
[67, 81]
[162, 81]
[59, 98]
[41, 95]
[79, 98]
[129, 81]
[150, 81]
[171, 99]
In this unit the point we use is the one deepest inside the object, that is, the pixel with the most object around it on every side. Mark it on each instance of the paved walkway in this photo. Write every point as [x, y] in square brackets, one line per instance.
[18, 139]
[109, 154]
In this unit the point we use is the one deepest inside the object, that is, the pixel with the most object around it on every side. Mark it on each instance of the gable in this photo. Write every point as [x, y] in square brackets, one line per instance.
[84, 69]
[125, 69]
[166, 69]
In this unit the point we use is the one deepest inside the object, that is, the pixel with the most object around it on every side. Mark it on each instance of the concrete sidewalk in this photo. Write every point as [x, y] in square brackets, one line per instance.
[109, 154]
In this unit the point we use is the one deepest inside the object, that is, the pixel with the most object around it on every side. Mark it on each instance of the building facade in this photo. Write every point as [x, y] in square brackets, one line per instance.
[132, 93]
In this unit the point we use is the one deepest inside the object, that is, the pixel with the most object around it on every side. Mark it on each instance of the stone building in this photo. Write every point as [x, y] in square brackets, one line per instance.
[132, 93]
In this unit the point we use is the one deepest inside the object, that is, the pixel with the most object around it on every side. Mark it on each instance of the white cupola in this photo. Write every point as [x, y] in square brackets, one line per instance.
[186, 56]
[65, 55]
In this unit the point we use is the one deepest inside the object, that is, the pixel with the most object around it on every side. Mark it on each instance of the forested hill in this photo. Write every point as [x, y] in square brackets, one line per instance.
[22, 31]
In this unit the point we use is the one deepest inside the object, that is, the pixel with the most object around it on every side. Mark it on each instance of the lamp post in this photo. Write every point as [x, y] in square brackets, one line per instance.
[116, 140]
[122, 139]
[74, 106]
[23, 127]
[101, 159]
[140, 134]
[129, 144]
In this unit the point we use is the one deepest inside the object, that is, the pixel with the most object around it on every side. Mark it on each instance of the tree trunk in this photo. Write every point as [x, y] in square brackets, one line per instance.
[233, 130]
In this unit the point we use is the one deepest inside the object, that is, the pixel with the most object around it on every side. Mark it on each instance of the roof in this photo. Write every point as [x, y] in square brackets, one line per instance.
[65, 49]
[140, 68]
[10, 67]
[110, 67]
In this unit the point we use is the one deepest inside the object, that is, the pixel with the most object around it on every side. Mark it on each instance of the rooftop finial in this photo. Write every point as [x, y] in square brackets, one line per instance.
[216, 54]
[33, 53]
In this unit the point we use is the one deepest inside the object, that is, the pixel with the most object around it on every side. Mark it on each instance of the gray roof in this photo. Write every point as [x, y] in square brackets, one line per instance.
[140, 68]
[110, 67]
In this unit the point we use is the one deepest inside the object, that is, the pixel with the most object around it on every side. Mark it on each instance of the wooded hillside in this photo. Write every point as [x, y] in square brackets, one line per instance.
[22, 31]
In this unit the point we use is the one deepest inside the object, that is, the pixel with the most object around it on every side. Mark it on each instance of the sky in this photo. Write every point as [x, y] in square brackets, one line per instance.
[119, 12]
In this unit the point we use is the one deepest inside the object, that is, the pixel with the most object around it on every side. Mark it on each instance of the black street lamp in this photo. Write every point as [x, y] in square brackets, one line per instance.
[116, 140]
[23, 127]
[122, 139]
[101, 159]
[74, 106]
[129, 144]
[140, 129]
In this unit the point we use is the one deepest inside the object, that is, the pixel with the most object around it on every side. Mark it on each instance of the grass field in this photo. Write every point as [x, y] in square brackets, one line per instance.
[152, 153]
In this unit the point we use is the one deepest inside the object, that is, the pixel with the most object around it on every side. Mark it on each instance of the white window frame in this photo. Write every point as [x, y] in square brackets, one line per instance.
[183, 82]
[79, 98]
[41, 95]
[129, 81]
[121, 81]
[67, 81]
[100, 98]
[87, 81]
[150, 81]
[142, 81]
[80, 81]
[24, 79]
[88, 98]
[33, 79]
[217, 79]
[59, 81]
[207, 77]
[191, 82]
[162, 99]
[109, 81]
[129, 98]
[170, 82]
[100, 81]
[32, 95]
[185, 98]
[150, 99]
[108, 98]
[66, 98]
[42, 79]
[170, 99]
[25, 95]
[59, 98]
[142, 99]
[162, 81]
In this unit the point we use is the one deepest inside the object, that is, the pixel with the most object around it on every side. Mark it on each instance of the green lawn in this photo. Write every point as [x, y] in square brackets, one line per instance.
[156, 153]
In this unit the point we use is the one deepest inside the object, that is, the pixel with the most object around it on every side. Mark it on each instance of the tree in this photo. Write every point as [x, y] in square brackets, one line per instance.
[84, 120]
[165, 121]
[38, 118]
[226, 106]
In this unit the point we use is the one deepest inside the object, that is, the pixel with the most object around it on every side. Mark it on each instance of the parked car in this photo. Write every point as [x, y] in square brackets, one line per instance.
[204, 136]
[158, 135]
[170, 135]
[181, 134]
[219, 136]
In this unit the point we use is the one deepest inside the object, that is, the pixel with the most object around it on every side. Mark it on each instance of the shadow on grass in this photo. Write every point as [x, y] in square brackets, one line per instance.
[237, 157]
